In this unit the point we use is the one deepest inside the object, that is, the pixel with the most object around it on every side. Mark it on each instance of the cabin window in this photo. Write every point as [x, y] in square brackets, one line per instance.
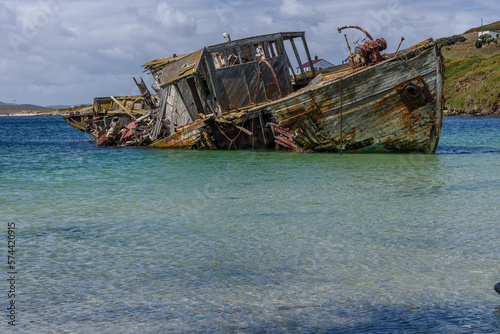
[273, 48]
[218, 59]
[246, 53]
[204, 86]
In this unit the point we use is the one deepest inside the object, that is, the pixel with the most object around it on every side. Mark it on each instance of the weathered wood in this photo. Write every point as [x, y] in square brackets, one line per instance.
[167, 102]
[241, 85]
[196, 97]
[187, 104]
[224, 121]
[267, 52]
[373, 112]
[145, 94]
[290, 67]
[393, 105]
[122, 107]
[181, 68]
[308, 55]
[186, 137]
[254, 40]
[298, 59]
[213, 79]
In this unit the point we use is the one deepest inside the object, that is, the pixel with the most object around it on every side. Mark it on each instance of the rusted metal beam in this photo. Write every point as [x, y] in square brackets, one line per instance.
[355, 27]
[402, 39]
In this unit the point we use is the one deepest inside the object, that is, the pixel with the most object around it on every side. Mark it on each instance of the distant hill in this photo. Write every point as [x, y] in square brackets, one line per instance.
[58, 106]
[21, 105]
[6, 109]
[492, 26]
[472, 85]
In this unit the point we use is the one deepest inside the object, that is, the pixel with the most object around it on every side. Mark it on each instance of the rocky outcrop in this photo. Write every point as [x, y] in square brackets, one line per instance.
[473, 112]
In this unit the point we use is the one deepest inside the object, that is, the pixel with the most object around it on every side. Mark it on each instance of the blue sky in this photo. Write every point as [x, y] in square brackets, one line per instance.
[69, 51]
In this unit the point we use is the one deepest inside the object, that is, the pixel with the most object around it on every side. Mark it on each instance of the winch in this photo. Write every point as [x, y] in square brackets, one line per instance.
[368, 53]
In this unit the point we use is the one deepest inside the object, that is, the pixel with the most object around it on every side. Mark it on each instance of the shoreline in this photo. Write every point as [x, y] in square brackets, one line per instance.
[16, 111]
[447, 113]
[32, 114]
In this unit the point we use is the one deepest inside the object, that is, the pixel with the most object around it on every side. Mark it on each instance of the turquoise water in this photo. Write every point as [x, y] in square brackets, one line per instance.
[127, 240]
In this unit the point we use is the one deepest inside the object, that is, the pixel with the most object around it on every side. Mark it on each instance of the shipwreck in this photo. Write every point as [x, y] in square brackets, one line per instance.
[244, 94]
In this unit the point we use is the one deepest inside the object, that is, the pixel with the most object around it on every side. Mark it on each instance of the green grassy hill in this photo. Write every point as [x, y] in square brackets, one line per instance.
[492, 26]
[472, 85]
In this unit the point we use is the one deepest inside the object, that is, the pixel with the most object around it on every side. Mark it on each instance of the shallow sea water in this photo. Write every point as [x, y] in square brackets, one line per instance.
[128, 240]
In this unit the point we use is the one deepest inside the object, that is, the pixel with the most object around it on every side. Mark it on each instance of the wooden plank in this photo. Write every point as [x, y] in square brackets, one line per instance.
[283, 52]
[213, 79]
[193, 114]
[308, 56]
[159, 119]
[242, 87]
[123, 107]
[267, 53]
[196, 97]
[241, 42]
[295, 34]
[224, 121]
[298, 59]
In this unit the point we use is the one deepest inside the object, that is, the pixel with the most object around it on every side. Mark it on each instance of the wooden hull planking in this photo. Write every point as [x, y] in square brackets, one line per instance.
[395, 105]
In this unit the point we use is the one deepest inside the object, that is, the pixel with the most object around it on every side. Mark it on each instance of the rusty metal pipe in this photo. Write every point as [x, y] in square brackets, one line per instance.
[355, 27]
[402, 39]
[274, 75]
[346, 42]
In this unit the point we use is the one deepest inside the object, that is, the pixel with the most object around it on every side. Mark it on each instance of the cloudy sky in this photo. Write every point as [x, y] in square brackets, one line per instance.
[69, 51]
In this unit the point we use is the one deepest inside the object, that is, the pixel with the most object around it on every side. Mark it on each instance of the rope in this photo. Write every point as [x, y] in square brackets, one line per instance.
[259, 75]
[253, 137]
[230, 140]
[340, 84]
[239, 132]
[262, 128]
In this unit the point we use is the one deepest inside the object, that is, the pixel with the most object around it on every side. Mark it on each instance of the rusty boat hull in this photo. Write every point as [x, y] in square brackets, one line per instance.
[244, 94]
[393, 106]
